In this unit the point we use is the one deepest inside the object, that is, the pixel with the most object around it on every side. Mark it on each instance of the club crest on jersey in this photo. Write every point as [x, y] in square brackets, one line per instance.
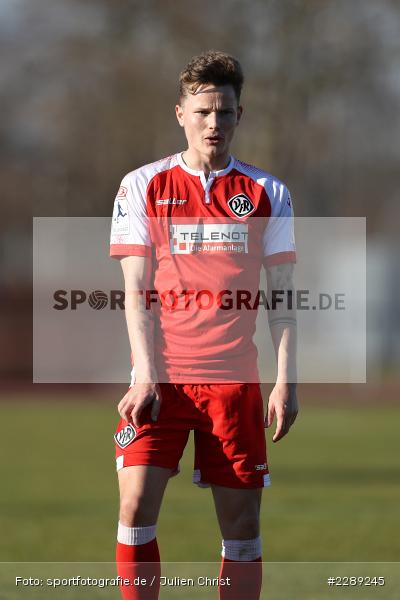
[124, 437]
[241, 205]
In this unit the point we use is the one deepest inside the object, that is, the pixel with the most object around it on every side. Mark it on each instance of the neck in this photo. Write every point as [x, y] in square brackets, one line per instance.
[205, 163]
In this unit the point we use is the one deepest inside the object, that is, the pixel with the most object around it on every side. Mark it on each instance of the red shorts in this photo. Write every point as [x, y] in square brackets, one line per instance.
[228, 424]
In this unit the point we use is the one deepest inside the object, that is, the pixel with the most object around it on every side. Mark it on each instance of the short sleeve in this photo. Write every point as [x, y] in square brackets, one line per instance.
[278, 239]
[130, 222]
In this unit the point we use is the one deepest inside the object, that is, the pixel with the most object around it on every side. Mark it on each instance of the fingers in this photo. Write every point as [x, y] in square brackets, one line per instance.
[280, 426]
[293, 418]
[284, 423]
[270, 414]
[123, 407]
[136, 412]
[155, 407]
[135, 401]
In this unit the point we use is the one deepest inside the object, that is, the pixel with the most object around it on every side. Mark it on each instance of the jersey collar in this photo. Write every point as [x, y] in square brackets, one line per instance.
[200, 174]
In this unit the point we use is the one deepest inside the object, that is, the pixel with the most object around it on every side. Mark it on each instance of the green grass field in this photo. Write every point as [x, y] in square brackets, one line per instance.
[335, 491]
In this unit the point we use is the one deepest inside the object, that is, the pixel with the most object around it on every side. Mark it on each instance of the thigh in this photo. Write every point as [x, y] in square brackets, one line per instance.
[160, 443]
[230, 447]
[141, 490]
[148, 455]
[238, 512]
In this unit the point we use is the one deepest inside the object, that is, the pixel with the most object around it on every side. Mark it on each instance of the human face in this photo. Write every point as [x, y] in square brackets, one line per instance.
[209, 118]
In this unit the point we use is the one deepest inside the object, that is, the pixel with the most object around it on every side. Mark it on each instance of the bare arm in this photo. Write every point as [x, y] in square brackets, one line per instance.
[282, 323]
[137, 275]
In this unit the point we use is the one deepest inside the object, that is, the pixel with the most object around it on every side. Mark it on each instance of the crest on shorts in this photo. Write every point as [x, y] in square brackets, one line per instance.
[124, 437]
[241, 205]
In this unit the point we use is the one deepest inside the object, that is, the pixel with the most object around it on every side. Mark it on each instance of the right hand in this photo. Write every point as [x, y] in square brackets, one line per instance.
[136, 399]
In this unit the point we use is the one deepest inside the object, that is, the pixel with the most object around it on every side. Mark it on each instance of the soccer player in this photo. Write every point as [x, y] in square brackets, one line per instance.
[192, 232]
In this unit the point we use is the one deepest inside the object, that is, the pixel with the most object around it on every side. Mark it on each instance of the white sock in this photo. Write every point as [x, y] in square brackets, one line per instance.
[241, 549]
[135, 536]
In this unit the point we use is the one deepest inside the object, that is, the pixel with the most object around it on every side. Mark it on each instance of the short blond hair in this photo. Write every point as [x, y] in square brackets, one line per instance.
[213, 66]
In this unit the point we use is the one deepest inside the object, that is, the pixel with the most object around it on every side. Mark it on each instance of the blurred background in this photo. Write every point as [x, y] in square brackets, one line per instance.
[88, 94]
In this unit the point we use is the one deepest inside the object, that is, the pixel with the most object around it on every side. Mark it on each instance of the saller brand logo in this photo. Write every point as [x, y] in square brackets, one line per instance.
[261, 467]
[125, 436]
[241, 205]
[167, 201]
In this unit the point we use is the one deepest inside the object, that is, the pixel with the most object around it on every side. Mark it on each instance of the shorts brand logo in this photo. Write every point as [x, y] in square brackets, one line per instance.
[124, 437]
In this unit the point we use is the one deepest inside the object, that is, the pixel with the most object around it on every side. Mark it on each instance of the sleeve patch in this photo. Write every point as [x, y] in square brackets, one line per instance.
[122, 192]
[120, 222]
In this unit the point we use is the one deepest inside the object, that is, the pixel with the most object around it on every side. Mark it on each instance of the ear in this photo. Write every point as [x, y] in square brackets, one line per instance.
[239, 114]
[179, 114]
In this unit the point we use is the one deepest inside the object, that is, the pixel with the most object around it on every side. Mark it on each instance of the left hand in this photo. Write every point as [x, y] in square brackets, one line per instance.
[282, 403]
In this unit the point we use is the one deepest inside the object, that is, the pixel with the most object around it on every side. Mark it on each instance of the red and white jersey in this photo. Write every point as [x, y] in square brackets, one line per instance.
[208, 238]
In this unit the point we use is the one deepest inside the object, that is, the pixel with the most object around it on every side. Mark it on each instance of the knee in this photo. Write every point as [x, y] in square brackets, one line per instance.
[134, 511]
[243, 526]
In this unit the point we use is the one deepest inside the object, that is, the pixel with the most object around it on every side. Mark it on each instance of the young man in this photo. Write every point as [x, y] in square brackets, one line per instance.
[192, 232]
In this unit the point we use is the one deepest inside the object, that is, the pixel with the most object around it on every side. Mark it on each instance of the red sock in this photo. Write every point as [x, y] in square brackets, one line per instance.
[245, 578]
[137, 563]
